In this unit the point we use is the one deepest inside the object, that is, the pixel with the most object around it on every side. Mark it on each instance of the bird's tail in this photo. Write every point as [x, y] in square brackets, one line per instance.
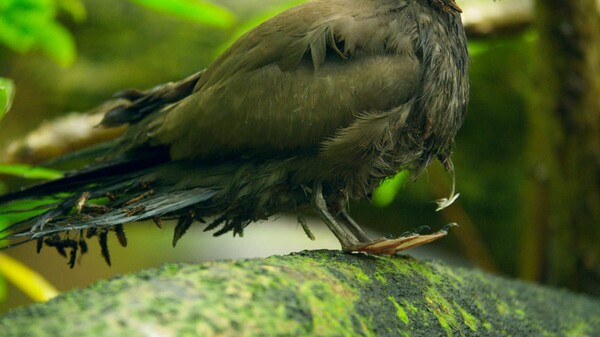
[67, 212]
[125, 187]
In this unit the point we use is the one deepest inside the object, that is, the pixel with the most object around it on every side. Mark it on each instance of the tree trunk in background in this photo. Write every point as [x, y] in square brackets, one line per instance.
[562, 208]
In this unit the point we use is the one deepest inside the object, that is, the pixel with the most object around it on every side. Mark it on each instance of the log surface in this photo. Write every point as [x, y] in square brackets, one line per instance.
[316, 293]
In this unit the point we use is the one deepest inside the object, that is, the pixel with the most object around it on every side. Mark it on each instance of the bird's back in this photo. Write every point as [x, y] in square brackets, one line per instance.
[323, 101]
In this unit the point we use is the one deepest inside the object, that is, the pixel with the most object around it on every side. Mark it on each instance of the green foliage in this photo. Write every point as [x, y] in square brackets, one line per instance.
[31, 25]
[385, 194]
[27, 172]
[255, 21]
[7, 92]
[195, 10]
[30, 172]
[75, 8]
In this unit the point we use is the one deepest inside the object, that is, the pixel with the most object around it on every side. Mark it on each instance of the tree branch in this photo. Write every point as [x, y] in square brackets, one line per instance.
[317, 293]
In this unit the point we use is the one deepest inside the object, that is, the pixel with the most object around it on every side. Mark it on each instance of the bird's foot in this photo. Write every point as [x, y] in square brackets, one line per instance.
[392, 246]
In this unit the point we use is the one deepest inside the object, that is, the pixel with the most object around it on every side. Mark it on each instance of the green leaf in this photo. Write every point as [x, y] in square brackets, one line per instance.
[20, 20]
[255, 21]
[31, 24]
[196, 10]
[385, 194]
[58, 43]
[21, 210]
[7, 93]
[75, 8]
[30, 172]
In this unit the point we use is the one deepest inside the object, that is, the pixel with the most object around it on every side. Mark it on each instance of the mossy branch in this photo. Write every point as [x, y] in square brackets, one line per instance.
[318, 293]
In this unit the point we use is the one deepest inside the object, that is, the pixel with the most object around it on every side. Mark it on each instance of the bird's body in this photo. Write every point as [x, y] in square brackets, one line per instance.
[310, 109]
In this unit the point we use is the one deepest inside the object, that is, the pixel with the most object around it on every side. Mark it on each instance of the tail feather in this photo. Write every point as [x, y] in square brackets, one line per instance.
[56, 221]
[94, 209]
[79, 207]
[142, 103]
[95, 173]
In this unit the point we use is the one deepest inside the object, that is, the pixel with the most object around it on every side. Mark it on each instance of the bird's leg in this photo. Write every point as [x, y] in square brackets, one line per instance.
[348, 241]
[358, 232]
[353, 238]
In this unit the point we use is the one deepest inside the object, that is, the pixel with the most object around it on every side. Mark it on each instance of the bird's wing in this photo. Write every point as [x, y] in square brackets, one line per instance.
[292, 82]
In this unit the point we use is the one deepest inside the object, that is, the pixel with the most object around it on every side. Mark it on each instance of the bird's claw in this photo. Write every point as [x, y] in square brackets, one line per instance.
[392, 246]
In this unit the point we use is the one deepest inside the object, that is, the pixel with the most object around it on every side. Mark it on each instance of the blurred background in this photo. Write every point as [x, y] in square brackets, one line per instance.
[527, 158]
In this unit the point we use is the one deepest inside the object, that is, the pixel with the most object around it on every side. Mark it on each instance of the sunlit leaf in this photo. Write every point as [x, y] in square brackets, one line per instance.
[31, 24]
[7, 92]
[195, 10]
[26, 279]
[21, 210]
[30, 172]
[255, 21]
[75, 8]
[385, 194]
[20, 21]
[57, 42]
[478, 47]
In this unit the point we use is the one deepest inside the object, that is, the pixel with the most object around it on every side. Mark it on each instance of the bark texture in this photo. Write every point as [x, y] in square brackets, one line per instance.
[317, 293]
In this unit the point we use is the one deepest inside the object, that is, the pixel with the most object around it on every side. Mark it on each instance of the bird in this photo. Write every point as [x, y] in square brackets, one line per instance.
[309, 110]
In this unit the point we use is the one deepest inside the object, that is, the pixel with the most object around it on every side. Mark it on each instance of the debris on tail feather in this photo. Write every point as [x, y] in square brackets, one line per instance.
[92, 231]
[136, 210]
[83, 246]
[103, 240]
[73, 256]
[82, 201]
[121, 235]
[139, 197]
[95, 209]
[56, 242]
[39, 244]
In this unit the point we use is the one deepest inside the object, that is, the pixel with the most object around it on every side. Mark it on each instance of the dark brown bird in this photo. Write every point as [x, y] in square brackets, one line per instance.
[310, 109]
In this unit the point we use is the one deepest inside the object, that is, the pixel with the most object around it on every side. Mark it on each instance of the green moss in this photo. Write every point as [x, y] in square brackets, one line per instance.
[442, 310]
[410, 307]
[399, 310]
[503, 308]
[309, 294]
[358, 273]
[578, 330]
[468, 319]
[520, 313]
[329, 307]
[379, 277]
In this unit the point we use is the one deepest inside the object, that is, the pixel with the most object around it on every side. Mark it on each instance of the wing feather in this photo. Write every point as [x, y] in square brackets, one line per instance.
[290, 84]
